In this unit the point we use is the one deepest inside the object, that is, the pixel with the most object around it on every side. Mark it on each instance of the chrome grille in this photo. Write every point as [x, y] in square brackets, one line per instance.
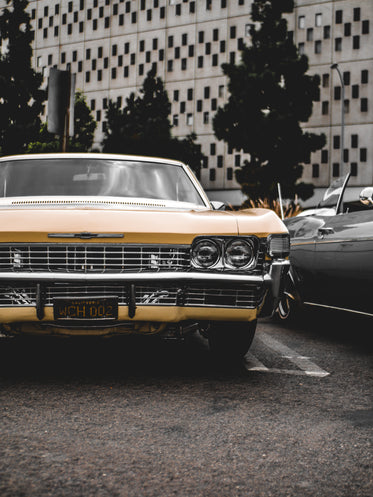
[248, 296]
[91, 258]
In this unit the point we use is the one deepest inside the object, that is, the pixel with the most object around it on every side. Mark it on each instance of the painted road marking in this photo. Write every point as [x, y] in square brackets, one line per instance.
[306, 367]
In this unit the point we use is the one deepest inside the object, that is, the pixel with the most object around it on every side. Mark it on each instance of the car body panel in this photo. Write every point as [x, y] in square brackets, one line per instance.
[332, 256]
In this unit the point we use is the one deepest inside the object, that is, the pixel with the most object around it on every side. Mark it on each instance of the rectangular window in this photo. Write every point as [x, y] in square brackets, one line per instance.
[365, 27]
[215, 35]
[301, 48]
[357, 14]
[222, 46]
[310, 34]
[353, 168]
[206, 118]
[347, 29]
[200, 61]
[346, 77]
[355, 91]
[315, 170]
[338, 44]
[184, 64]
[337, 93]
[326, 32]
[335, 169]
[356, 42]
[363, 155]
[336, 142]
[364, 105]
[325, 80]
[192, 7]
[219, 161]
[212, 148]
[301, 22]
[364, 76]
[325, 108]
[324, 156]
[318, 46]
[201, 36]
[338, 16]
[212, 174]
[318, 19]
[232, 32]
[354, 141]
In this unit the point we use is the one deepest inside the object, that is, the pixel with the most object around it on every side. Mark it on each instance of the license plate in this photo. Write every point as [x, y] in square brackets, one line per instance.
[95, 308]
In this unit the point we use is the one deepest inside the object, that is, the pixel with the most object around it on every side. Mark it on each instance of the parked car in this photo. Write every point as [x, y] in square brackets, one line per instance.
[331, 254]
[94, 244]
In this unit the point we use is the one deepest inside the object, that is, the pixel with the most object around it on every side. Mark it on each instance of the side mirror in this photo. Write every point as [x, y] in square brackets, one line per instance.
[366, 196]
[218, 206]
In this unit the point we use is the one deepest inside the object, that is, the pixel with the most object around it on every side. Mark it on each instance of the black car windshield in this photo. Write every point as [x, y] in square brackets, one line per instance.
[97, 177]
[333, 195]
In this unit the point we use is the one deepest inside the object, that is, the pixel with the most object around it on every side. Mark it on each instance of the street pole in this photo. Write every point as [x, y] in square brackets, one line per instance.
[336, 67]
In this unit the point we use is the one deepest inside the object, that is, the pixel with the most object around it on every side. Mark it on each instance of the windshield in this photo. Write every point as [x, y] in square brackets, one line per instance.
[333, 195]
[96, 177]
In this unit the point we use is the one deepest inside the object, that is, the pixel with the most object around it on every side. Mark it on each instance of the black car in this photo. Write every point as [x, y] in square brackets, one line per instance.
[332, 254]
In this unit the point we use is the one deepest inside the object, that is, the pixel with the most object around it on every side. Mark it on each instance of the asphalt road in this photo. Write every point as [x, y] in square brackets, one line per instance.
[143, 418]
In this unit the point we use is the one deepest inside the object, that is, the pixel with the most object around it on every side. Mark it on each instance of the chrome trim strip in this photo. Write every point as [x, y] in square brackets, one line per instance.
[179, 277]
[85, 235]
[345, 309]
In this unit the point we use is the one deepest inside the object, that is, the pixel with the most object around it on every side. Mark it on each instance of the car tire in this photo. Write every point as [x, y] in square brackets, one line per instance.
[230, 341]
[287, 310]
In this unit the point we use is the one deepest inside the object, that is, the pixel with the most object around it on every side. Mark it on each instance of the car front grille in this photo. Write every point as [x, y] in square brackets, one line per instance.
[244, 296]
[92, 258]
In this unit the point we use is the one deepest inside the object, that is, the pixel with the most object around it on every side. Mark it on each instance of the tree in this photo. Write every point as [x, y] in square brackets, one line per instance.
[143, 126]
[84, 129]
[270, 95]
[21, 96]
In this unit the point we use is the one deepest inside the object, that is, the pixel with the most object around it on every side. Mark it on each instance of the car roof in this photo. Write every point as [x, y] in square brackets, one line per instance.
[138, 158]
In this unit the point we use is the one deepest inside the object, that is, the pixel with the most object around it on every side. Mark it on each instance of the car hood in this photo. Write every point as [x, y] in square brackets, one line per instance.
[23, 225]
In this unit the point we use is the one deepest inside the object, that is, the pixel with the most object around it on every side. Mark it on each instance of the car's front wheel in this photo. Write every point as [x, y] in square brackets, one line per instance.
[230, 341]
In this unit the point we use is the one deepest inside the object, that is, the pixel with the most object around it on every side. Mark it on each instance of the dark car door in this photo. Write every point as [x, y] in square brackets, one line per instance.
[343, 261]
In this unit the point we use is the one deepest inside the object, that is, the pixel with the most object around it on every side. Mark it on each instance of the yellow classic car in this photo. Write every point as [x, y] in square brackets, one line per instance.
[99, 244]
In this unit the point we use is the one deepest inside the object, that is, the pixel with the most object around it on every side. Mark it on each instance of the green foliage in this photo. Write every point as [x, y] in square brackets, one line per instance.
[270, 95]
[21, 98]
[84, 128]
[143, 127]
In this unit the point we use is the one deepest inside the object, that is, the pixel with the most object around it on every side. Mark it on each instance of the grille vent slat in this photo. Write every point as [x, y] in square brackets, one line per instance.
[85, 258]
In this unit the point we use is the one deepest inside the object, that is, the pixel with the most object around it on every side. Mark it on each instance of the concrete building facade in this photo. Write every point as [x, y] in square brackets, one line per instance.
[111, 45]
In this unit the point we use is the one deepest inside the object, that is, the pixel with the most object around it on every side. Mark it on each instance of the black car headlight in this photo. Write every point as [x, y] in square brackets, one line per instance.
[205, 253]
[239, 253]
[278, 246]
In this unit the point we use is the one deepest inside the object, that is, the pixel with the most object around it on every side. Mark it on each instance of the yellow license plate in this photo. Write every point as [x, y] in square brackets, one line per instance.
[95, 308]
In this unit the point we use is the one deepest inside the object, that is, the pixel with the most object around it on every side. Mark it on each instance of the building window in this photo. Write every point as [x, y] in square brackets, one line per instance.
[215, 60]
[201, 36]
[346, 78]
[347, 29]
[237, 160]
[337, 93]
[212, 149]
[325, 80]
[232, 32]
[356, 42]
[354, 141]
[364, 105]
[365, 28]
[324, 156]
[338, 44]
[355, 91]
[184, 64]
[315, 170]
[212, 174]
[199, 105]
[206, 92]
[363, 155]
[325, 108]
[215, 35]
[353, 168]
[301, 48]
[364, 76]
[318, 46]
[318, 19]
[219, 161]
[222, 46]
[335, 169]
[206, 118]
[346, 106]
[310, 34]
[357, 14]
[170, 65]
[189, 119]
[301, 22]
[200, 61]
[336, 142]
[338, 16]
[346, 155]
[190, 94]
[326, 32]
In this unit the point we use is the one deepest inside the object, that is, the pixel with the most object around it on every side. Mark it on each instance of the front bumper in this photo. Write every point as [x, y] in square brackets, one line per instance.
[147, 296]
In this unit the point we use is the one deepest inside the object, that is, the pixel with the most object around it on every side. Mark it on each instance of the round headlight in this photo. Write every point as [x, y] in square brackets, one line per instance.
[239, 253]
[205, 253]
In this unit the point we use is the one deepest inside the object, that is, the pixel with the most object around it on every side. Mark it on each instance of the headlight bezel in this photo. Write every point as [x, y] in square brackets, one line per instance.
[224, 242]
